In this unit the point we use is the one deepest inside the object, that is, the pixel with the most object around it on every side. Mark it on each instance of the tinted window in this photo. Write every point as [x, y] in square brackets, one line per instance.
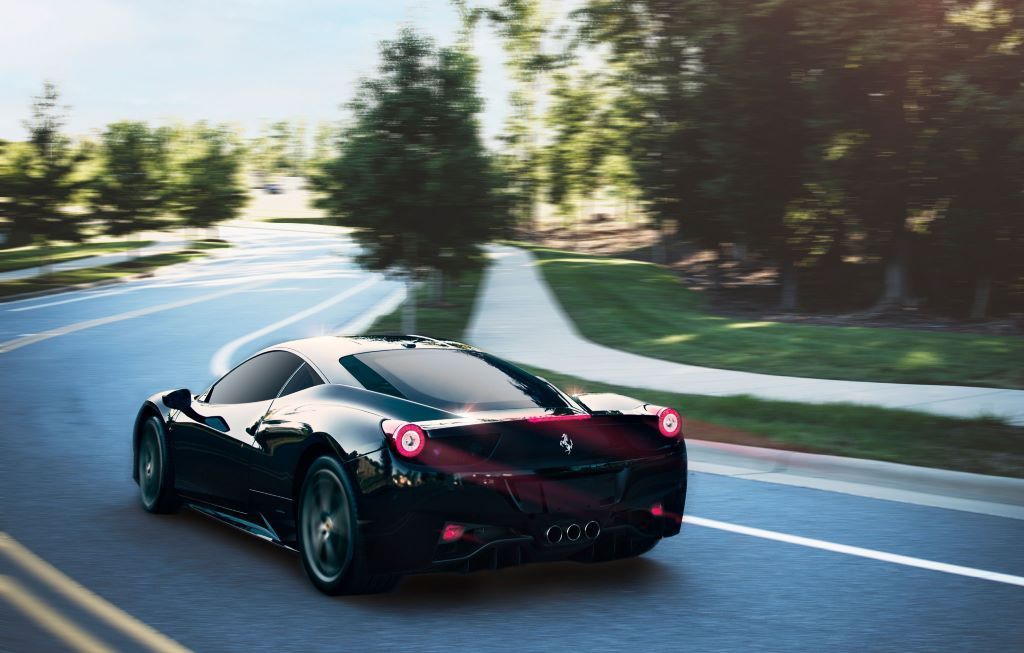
[257, 379]
[304, 378]
[453, 380]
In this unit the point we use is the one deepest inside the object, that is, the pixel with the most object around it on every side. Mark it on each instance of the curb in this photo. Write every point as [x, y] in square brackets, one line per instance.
[736, 460]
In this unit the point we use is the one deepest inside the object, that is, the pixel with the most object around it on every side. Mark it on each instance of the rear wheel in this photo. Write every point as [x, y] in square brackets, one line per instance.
[155, 471]
[329, 538]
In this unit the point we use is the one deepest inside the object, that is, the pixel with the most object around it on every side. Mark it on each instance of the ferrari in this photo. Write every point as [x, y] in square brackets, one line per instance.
[376, 457]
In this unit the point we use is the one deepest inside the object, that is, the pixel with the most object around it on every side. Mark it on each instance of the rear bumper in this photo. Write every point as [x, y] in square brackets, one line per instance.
[507, 517]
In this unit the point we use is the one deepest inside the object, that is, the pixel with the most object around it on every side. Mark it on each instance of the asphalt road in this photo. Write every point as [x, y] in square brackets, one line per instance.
[68, 397]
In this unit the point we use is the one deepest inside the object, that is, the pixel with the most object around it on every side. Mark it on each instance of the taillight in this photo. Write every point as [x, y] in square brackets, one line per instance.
[670, 422]
[452, 532]
[409, 439]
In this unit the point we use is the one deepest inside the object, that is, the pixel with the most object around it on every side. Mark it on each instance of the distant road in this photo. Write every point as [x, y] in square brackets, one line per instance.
[67, 401]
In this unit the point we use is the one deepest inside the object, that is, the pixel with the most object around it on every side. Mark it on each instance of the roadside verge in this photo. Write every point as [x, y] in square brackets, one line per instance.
[979, 493]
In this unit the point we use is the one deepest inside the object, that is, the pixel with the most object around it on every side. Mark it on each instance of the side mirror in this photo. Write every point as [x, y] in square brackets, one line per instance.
[178, 400]
[182, 400]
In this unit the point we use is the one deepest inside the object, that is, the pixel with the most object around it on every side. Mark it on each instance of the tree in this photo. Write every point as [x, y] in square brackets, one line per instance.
[522, 26]
[38, 179]
[131, 191]
[412, 176]
[206, 187]
[977, 155]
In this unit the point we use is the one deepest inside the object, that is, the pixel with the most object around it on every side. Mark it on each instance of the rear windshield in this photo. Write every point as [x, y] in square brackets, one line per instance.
[456, 381]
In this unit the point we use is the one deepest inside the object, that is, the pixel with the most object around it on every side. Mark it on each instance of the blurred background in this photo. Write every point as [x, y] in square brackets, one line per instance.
[803, 157]
[830, 192]
[811, 189]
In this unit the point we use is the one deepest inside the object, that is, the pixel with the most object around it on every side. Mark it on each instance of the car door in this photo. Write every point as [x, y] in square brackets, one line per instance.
[211, 460]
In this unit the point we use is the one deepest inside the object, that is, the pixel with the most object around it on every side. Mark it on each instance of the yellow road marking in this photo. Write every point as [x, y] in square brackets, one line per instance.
[99, 607]
[17, 343]
[49, 619]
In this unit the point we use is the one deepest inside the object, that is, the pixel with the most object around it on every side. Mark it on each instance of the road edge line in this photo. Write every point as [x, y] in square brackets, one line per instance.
[871, 554]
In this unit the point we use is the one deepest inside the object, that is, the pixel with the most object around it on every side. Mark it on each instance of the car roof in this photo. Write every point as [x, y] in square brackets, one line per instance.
[324, 352]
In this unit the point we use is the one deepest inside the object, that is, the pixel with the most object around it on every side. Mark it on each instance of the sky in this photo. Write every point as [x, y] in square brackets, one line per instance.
[244, 62]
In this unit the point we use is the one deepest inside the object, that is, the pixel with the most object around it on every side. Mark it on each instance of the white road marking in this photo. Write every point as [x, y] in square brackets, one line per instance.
[221, 361]
[17, 343]
[883, 556]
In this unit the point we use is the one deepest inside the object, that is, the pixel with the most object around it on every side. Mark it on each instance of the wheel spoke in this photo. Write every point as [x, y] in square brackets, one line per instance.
[326, 525]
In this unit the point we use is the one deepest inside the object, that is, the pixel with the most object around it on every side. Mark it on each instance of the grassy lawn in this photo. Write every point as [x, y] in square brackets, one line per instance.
[30, 256]
[970, 445]
[642, 308]
[447, 321]
[108, 272]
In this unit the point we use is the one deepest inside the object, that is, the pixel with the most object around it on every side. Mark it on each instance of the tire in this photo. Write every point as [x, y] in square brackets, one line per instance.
[155, 469]
[330, 542]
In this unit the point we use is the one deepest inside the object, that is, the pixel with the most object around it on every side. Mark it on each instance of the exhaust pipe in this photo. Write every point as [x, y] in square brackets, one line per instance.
[592, 530]
[554, 534]
[573, 532]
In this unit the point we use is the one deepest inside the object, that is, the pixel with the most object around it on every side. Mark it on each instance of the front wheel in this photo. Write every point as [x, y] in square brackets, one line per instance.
[329, 538]
[155, 471]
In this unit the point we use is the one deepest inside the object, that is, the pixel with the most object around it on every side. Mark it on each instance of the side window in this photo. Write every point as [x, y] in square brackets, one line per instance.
[303, 378]
[257, 379]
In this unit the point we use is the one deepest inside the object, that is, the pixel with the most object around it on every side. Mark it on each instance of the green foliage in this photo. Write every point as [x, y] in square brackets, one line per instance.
[131, 191]
[37, 178]
[817, 131]
[280, 149]
[206, 187]
[412, 176]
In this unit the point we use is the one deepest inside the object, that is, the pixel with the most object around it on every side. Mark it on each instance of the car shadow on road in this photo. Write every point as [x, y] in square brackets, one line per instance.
[515, 585]
[529, 583]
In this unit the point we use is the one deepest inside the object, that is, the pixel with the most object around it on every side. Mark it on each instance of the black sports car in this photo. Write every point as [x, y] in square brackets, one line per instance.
[376, 457]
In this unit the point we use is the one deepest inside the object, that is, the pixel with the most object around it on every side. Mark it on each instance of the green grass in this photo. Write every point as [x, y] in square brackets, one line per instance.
[643, 308]
[108, 272]
[984, 446]
[447, 321]
[30, 256]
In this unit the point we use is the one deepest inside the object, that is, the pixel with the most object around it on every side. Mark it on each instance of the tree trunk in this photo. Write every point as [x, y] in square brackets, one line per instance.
[740, 250]
[659, 247]
[409, 307]
[716, 270]
[982, 293]
[790, 278]
[437, 287]
[897, 278]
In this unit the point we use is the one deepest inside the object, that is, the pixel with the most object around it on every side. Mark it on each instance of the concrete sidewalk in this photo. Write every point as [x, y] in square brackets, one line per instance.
[517, 317]
[165, 243]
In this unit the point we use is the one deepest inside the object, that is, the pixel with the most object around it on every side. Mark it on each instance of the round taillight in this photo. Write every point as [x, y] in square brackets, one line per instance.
[409, 440]
[670, 423]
